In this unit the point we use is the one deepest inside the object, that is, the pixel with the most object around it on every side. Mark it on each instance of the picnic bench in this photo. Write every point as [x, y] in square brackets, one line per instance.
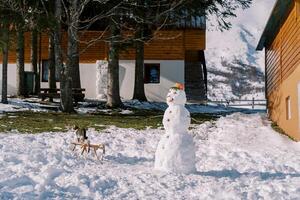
[78, 93]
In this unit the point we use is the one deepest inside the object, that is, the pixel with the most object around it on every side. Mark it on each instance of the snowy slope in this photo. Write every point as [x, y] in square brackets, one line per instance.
[238, 157]
[235, 69]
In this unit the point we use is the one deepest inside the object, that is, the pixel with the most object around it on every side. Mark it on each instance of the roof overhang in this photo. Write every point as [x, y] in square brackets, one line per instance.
[279, 14]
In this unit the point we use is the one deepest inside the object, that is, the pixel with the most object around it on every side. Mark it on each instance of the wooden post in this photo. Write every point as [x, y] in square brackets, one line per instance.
[297, 9]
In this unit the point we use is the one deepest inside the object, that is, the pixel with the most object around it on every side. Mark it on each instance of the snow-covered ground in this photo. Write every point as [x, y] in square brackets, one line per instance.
[238, 157]
[92, 106]
[11, 108]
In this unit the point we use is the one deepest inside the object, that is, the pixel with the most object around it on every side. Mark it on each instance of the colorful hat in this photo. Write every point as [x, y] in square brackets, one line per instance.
[179, 86]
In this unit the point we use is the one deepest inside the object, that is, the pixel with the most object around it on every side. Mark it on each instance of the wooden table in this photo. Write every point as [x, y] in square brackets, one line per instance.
[77, 93]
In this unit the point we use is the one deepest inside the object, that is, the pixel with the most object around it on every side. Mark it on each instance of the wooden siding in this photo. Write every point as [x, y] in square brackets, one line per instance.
[298, 9]
[97, 50]
[283, 55]
[170, 45]
[166, 45]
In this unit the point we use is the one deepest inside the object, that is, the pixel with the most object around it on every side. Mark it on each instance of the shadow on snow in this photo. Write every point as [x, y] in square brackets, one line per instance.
[234, 174]
[121, 159]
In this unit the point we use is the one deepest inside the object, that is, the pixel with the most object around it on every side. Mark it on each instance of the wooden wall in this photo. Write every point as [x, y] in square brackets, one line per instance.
[166, 45]
[283, 55]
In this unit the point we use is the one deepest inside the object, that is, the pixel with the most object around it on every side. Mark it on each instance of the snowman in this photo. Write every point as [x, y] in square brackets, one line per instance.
[175, 151]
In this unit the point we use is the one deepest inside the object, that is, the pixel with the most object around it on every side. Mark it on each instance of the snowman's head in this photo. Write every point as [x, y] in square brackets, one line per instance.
[176, 96]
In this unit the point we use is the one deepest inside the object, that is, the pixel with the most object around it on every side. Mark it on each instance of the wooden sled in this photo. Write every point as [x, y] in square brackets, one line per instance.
[86, 148]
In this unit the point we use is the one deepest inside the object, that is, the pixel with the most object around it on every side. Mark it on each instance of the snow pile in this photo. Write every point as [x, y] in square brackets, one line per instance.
[32, 104]
[101, 79]
[175, 151]
[237, 157]
[10, 108]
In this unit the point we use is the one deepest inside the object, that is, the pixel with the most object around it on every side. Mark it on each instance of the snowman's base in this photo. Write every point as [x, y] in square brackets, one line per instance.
[175, 153]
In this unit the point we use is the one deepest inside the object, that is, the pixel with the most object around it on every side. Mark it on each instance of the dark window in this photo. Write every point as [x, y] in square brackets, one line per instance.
[152, 73]
[288, 108]
[45, 71]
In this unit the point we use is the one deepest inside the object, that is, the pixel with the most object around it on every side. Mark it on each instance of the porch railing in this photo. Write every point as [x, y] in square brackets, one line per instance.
[252, 103]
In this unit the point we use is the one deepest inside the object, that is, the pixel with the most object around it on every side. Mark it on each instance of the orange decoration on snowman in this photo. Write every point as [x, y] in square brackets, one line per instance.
[180, 86]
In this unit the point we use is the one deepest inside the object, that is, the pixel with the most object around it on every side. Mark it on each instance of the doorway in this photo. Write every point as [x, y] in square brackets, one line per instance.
[195, 76]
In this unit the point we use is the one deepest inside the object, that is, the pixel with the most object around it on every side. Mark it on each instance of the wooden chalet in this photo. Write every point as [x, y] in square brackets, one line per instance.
[281, 41]
[174, 55]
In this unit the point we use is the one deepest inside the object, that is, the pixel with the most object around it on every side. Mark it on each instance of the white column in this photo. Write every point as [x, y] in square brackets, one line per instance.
[101, 79]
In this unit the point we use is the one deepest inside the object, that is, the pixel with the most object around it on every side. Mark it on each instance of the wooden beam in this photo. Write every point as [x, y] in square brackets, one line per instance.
[297, 2]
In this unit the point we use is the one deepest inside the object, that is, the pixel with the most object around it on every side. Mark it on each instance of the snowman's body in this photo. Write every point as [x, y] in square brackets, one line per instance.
[176, 151]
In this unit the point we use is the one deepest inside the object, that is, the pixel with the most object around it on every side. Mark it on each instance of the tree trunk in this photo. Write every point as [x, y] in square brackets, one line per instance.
[72, 51]
[20, 64]
[73, 54]
[51, 69]
[33, 58]
[66, 99]
[113, 89]
[4, 64]
[139, 89]
[204, 71]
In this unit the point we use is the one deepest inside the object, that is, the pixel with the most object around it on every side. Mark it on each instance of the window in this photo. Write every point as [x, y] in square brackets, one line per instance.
[288, 108]
[152, 73]
[45, 71]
